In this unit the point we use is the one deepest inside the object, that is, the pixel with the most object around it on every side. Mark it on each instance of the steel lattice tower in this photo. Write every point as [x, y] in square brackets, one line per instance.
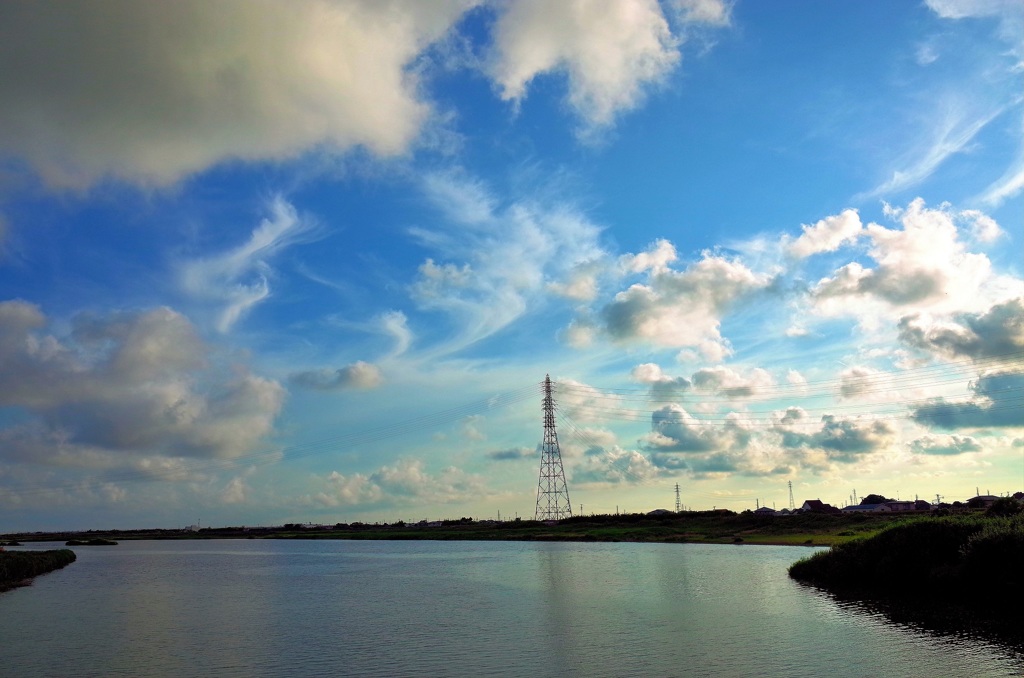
[552, 493]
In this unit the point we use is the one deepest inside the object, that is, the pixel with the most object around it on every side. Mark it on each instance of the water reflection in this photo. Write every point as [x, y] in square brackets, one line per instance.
[452, 609]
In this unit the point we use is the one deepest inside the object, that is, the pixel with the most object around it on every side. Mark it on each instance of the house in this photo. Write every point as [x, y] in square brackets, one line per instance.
[818, 506]
[866, 508]
[764, 511]
[982, 501]
[901, 505]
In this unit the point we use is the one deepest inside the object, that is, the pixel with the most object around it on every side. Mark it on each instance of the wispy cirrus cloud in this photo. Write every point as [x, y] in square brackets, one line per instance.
[953, 131]
[487, 275]
[237, 280]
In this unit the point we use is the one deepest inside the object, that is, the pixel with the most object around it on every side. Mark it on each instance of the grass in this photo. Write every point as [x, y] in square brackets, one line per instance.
[16, 567]
[949, 572]
[709, 527]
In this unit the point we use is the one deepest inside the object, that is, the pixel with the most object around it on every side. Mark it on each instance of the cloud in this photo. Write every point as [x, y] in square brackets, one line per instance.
[984, 228]
[239, 279]
[470, 427]
[133, 384]
[360, 375]
[614, 465]
[858, 381]
[395, 325]
[489, 275]
[663, 387]
[656, 259]
[827, 235]
[609, 52]
[923, 266]
[681, 308]
[235, 491]
[843, 440]
[995, 333]
[152, 92]
[945, 445]
[962, 9]
[996, 403]
[727, 382]
[949, 135]
[1008, 185]
[513, 454]
[673, 429]
[713, 12]
[405, 483]
[583, 403]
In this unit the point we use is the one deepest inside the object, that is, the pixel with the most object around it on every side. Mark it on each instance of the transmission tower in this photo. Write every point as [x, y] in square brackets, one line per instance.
[552, 493]
[679, 505]
[791, 506]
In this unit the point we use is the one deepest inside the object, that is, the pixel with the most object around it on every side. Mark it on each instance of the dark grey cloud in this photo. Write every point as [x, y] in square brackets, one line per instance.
[668, 389]
[844, 440]
[999, 403]
[945, 445]
[152, 92]
[730, 383]
[128, 383]
[513, 454]
[998, 332]
[357, 375]
[676, 431]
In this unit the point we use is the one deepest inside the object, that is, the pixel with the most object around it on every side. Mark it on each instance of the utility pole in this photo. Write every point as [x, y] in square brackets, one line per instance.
[552, 492]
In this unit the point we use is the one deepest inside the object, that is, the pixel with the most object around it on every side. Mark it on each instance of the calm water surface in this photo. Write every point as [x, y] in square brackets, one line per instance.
[418, 608]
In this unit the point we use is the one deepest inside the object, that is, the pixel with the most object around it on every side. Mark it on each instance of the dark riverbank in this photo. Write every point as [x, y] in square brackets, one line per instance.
[950, 574]
[707, 527]
[17, 568]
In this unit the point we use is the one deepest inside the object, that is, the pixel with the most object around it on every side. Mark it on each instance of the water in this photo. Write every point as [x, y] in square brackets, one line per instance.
[417, 608]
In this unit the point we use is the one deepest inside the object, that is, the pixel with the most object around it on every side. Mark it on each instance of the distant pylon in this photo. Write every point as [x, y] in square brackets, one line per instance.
[679, 504]
[552, 493]
[791, 506]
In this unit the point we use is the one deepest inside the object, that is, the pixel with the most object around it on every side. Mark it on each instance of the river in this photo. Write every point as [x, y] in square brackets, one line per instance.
[422, 608]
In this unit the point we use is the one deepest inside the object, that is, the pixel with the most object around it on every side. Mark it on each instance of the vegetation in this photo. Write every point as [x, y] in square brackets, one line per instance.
[708, 527]
[90, 542]
[18, 566]
[949, 571]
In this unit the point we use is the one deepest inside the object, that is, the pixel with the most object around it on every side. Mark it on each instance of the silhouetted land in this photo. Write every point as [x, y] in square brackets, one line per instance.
[956, 573]
[17, 568]
[96, 541]
[708, 527]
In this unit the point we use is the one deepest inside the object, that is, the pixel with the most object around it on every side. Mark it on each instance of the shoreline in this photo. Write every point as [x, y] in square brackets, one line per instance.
[20, 568]
[711, 527]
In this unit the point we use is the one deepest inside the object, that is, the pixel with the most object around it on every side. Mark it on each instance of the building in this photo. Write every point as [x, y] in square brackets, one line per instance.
[818, 506]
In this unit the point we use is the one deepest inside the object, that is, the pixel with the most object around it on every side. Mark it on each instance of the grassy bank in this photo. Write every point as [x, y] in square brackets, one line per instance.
[709, 527]
[16, 567]
[950, 572]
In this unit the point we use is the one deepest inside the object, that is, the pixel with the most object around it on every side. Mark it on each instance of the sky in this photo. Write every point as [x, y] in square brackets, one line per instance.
[268, 262]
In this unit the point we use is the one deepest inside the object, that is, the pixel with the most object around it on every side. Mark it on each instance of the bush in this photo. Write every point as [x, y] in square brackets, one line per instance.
[16, 566]
[962, 556]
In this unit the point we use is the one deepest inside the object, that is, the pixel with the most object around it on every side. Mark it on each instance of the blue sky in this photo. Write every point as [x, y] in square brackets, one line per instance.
[265, 263]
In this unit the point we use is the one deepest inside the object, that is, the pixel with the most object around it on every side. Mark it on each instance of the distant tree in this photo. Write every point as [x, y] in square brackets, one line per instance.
[874, 499]
[1004, 506]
